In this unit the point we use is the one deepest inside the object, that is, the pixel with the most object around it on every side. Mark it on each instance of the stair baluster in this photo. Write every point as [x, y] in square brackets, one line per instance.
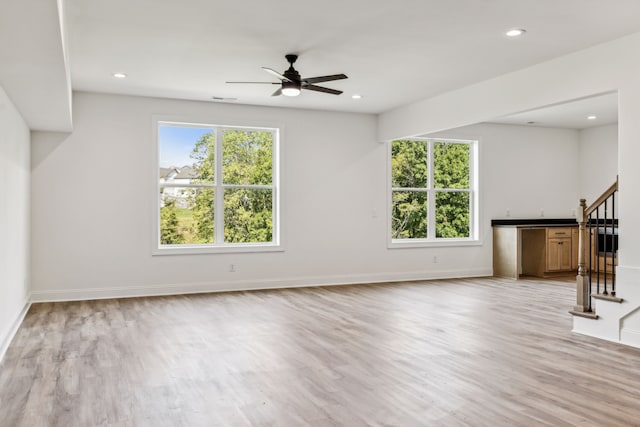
[597, 239]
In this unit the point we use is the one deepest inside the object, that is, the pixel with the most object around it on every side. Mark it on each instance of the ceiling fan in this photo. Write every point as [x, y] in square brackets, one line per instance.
[291, 82]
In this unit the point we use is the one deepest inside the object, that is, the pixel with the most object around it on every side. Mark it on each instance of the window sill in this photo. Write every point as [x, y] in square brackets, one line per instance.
[202, 249]
[419, 243]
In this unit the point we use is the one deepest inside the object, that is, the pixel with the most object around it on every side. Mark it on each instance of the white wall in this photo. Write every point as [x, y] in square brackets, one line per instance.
[598, 160]
[93, 241]
[526, 170]
[14, 219]
[604, 68]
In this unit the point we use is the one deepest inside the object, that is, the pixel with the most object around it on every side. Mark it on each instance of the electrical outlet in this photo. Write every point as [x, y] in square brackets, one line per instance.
[232, 268]
[541, 213]
[508, 213]
[435, 259]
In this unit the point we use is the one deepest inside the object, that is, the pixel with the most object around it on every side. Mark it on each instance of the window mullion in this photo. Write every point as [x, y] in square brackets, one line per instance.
[431, 194]
[275, 215]
[172, 185]
[218, 206]
[472, 185]
[249, 186]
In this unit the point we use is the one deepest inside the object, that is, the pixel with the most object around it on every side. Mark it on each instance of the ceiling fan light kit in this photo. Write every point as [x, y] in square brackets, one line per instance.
[291, 83]
[290, 88]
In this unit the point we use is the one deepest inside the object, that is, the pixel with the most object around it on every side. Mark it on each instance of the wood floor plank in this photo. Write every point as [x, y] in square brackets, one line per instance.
[468, 352]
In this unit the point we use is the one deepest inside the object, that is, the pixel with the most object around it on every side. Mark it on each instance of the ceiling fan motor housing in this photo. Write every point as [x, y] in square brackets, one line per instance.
[291, 73]
[294, 76]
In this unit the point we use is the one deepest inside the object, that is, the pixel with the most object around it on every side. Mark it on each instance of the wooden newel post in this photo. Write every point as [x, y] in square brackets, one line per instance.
[583, 279]
[582, 238]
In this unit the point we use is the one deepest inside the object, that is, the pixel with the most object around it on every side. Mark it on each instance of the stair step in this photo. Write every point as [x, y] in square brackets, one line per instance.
[587, 314]
[608, 297]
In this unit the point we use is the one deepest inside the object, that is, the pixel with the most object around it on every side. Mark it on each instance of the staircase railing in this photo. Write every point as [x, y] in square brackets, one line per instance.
[597, 251]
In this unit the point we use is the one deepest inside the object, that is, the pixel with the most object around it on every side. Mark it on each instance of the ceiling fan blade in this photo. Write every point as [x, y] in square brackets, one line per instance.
[258, 83]
[321, 79]
[277, 74]
[278, 92]
[322, 89]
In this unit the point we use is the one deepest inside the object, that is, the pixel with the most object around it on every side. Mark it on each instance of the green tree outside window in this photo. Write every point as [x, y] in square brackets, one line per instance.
[244, 179]
[430, 177]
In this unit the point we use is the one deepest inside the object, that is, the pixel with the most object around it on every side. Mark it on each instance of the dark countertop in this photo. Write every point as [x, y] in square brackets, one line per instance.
[539, 222]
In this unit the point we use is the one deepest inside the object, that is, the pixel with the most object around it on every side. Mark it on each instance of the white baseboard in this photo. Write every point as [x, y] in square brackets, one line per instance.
[245, 285]
[630, 337]
[10, 333]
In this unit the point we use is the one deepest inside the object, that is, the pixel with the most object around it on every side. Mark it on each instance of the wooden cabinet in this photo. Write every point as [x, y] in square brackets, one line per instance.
[559, 249]
[534, 250]
[559, 254]
[558, 232]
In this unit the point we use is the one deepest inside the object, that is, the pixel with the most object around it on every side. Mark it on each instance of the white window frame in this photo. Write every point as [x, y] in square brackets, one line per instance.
[431, 240]
[219, 246]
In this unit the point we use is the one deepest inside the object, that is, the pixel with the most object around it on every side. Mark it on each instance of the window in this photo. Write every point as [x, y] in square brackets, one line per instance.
[433, 191]
[217, 188]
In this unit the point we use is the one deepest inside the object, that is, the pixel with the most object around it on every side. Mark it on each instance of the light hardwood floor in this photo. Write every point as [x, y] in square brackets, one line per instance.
[476, 352]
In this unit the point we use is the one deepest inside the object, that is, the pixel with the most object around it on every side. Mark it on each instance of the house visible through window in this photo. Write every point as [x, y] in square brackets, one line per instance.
[217, 186]
[433, 193]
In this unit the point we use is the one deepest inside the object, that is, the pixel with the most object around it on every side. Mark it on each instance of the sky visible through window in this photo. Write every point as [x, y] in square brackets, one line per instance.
[176, 144]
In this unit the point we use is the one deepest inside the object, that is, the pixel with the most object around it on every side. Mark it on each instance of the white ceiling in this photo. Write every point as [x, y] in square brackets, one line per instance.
[394, 53]
[571, 115]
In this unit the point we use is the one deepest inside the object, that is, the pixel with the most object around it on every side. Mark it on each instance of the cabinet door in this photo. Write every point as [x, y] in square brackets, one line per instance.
[565, 254]
[553, 255]
[558, 254]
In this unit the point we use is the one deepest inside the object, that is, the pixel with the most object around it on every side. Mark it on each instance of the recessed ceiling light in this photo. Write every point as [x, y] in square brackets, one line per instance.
[592, 117]
[515, 32]
[119, 75]
[356, 96]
